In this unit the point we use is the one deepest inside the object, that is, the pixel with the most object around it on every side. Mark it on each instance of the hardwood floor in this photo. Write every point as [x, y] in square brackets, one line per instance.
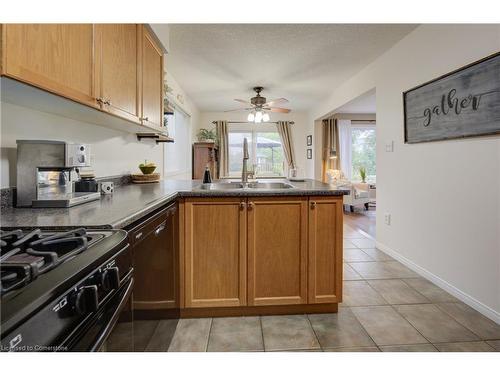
[363, 220]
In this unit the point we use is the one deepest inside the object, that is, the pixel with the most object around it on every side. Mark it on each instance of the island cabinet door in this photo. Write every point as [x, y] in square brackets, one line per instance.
[277, 251]
[215, 252]
[325, 250]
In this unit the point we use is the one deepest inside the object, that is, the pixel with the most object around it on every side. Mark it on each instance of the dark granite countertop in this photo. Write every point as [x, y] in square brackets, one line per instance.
[131, 202]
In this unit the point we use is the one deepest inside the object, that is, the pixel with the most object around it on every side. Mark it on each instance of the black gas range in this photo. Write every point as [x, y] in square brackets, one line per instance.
[66, 290]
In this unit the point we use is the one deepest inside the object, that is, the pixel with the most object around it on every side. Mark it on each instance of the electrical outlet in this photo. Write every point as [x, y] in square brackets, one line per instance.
[389, 146]
[387, 219]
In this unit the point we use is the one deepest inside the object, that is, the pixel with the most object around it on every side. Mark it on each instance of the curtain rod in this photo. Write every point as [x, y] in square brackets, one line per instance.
[353, 120]
[251, 122]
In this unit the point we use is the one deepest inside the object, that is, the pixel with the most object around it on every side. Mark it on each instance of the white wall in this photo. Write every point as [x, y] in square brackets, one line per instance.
[114, 152]
[300, 130]
[182, 100]
[444, 197]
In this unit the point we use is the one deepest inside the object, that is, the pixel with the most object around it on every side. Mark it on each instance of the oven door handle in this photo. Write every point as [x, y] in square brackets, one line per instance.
[103, 335]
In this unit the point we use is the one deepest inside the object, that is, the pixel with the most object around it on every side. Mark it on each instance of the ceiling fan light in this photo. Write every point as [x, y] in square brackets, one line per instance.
[258, 116]
[251, 117]
[265, 117]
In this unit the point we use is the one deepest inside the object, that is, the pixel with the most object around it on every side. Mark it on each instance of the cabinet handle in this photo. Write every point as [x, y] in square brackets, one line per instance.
[108, 102]
[99, 100]
[313, 205]
[251, 205]
[144, 119]
[138, 235]
[160, 228]
[242, 205]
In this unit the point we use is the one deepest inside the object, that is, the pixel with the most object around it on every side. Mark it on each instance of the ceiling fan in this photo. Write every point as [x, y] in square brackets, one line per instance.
[259, 107]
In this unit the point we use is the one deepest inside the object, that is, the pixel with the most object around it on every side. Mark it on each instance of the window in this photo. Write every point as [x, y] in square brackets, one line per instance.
[363, 152]
[177, 155]
[265, 151]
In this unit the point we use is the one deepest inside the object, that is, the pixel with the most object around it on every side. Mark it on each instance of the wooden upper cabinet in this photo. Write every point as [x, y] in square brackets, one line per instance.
[118, 69]
[152, 81]
[215, 252]
[55, 57]
[325, 250]
[277, 251]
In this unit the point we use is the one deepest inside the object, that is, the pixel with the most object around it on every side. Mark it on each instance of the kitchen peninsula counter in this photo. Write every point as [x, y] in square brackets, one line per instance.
[131, 202]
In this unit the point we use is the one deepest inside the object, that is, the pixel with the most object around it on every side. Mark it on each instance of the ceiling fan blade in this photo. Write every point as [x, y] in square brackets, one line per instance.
[276, 101]
[243, 101]
[280, 110]
[239, 109]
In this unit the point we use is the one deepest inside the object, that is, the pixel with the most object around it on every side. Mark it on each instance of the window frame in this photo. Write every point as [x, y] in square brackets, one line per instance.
[253, 129]
[185, 152]
[361, 126]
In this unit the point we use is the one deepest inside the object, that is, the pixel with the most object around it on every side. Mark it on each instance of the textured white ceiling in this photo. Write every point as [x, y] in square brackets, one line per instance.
[215, 63]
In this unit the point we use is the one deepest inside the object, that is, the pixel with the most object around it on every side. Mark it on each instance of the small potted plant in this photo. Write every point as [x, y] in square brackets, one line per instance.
[362, 174]
[205, 135]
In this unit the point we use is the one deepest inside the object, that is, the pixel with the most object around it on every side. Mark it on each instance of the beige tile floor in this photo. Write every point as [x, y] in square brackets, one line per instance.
[387, 307]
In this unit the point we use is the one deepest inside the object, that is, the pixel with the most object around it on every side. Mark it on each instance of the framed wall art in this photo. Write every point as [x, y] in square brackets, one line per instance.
[463, 103]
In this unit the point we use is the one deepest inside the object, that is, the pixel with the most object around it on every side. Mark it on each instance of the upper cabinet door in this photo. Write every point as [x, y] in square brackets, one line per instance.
[325, 249]
[118, 69]
[56, 58]
[152, 81]
[277, 251]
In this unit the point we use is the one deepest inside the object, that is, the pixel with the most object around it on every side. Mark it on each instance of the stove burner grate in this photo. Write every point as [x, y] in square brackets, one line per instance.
[24, 256]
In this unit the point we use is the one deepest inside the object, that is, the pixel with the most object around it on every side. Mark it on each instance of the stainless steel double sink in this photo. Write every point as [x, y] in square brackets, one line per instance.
[249, 185]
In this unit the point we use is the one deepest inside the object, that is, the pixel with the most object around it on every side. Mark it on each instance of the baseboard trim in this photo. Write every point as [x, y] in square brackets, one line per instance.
[205, 312]
[462, 296]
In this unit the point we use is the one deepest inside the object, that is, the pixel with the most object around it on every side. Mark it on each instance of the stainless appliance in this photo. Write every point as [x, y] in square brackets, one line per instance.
[66, 291]
[44, 173]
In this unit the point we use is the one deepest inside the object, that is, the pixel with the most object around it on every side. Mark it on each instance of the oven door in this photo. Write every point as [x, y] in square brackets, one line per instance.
[111, 329]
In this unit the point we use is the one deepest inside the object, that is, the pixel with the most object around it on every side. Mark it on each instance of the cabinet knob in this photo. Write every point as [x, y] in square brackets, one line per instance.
[251, 205]
[242, 205]
[313, 205]
[144, 118]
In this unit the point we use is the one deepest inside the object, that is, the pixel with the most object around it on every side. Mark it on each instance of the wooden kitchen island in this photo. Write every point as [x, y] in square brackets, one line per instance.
[253, 255]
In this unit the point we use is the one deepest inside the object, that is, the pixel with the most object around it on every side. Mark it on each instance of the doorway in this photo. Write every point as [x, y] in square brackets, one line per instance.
[349, 134]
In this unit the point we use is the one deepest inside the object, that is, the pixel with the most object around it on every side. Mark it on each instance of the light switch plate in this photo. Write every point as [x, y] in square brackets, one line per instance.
[387, 219]
[389, 146]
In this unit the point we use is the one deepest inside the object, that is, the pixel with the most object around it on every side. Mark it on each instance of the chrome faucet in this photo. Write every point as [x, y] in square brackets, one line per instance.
[244, 170]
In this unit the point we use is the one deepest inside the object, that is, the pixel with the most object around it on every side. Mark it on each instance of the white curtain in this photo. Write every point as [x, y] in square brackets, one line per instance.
[345, 145]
